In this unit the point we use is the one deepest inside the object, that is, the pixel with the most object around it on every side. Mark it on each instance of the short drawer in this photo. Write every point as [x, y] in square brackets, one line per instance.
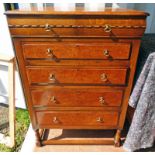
[76, 97]
[62, 75]
[44, 50]
[77, 119]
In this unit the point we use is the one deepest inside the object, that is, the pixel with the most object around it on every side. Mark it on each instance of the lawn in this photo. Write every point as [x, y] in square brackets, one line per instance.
[22, 124]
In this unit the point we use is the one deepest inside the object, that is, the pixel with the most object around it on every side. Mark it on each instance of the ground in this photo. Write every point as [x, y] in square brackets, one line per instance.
[22, 124]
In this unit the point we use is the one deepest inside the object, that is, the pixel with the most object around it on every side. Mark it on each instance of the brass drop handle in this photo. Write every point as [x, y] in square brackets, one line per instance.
[55, 120]
[53, 99]
[101, 100]
[106, 53]
[52, 77]
[107, 28]
[104, 77]
[99, 119]
[47, 28]
[50, 52]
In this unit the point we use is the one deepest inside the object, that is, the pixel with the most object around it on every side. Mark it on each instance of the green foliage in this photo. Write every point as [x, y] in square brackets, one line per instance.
[3, 148]
[22, 124]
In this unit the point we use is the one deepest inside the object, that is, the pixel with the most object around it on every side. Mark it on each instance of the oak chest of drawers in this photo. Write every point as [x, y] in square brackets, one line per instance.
[77, 67]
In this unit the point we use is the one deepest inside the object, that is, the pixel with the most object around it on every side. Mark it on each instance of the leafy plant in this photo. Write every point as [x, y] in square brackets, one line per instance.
[22, 124]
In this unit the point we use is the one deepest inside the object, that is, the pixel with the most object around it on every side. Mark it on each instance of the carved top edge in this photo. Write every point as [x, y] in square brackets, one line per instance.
[73, 26]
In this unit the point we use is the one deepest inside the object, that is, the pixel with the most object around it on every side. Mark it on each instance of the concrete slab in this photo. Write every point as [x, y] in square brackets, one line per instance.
[29, 144]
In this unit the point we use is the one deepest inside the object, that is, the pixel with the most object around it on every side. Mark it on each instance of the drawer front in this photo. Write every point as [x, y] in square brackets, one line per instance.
[77, 76]
[79, 20]
[73, 119]
[76, 97]
[77, 26]
[42, 50]
[80, 32]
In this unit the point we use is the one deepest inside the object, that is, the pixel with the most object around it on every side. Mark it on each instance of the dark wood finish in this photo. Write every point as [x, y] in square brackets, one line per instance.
[81, 61]
[130, 113]
[38, 139]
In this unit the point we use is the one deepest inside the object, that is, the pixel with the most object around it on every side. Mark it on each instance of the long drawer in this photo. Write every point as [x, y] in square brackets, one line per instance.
[81, 32]
[77, 26]
[42, 50]
[76, 97]
[77, 119]
[71, 75]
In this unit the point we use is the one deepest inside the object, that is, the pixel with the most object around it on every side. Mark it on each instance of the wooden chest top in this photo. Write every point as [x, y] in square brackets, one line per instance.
[80, 22]
[51, 10]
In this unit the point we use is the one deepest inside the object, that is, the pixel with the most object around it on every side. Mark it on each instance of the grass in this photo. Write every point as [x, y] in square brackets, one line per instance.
[22, 124]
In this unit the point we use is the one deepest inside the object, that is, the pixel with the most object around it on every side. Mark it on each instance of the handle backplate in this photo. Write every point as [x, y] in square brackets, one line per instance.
[47, 28]
[106, 53]
[104, 77]
[55, 120]
[53, 99]
[101, 100]
[99, 119]
[52, 77]
[107, 28]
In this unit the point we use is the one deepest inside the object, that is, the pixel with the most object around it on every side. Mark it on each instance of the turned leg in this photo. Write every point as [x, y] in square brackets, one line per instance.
[38, 139]
[117, 139]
